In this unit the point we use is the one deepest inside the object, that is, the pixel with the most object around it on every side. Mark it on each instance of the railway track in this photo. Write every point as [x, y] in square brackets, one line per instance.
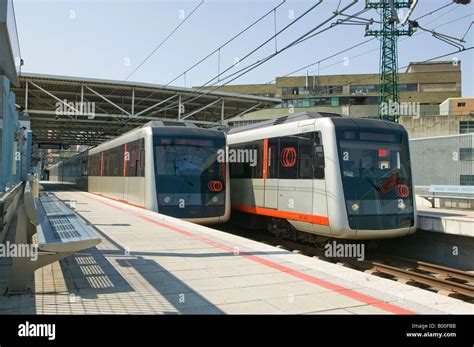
[433, 277]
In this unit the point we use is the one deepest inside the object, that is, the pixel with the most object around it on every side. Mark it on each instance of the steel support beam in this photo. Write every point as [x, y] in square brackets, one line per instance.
[201, 109]
[110, 102]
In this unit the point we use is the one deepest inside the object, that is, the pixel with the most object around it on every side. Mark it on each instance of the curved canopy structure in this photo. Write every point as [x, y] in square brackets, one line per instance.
[71, 110]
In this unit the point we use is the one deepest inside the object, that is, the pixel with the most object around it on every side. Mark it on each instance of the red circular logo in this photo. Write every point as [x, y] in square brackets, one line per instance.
[215, 186]
[288, 157]
[402, 191]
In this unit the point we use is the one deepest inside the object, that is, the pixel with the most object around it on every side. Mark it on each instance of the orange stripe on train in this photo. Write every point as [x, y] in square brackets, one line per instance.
[301, 217]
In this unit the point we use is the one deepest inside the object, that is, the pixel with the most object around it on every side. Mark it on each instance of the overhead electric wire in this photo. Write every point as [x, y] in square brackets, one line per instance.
[430, 13]
[366, 52]
[252, 66]
[255, 64]
[160, 44]
[164, 40]
[251, 52]
[228, 41]
[297, 41]
[254, 50]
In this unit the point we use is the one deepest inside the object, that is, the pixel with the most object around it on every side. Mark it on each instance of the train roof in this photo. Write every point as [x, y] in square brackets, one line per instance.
[337, 119]
[284, 119]
[170, 123]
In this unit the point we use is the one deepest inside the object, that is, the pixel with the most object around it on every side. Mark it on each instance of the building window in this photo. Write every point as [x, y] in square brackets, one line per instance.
[461, 104]
[287, 91]
[370, 88]
[410, 87]
[324, 90]
[466, 180]
[303, 91]
[438, 87]
[466, 127]
[466, 154]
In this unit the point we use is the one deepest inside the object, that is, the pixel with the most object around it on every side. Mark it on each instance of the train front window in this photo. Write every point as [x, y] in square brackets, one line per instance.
[376, 179]
[190, 180]
[183, 160]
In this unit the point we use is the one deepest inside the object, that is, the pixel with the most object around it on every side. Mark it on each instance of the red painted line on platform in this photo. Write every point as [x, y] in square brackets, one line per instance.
[118, 200]
[305, 277]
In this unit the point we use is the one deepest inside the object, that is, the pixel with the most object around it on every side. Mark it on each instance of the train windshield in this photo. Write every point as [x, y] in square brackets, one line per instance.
[189, 178]
[376, 178]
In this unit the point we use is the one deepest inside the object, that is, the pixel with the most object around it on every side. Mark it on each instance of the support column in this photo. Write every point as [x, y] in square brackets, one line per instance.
[222, 111]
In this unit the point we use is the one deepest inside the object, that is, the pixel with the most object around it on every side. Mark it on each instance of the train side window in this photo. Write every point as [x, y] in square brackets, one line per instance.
[273, 145]
[91, 165]
[256, 157]
[236, 168]
[105, 163]
[112, 162]
[85, 166]
[305, 151]
[132, 159]
[287, 157]
[97, 165]
[318, 157]
[246, 161]
[119, 160]
[141, 158]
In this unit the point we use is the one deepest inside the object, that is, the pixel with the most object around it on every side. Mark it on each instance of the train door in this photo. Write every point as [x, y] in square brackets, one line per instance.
[270, 172]
[295, 183]
[320, 209]
[125, 181]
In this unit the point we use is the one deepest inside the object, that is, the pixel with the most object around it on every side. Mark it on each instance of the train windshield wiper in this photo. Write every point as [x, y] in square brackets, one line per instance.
[374, 182]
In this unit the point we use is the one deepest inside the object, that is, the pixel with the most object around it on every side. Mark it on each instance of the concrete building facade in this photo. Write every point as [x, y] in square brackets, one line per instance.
[427, 84]
[443, 160]
[430, 90]
[457, 107]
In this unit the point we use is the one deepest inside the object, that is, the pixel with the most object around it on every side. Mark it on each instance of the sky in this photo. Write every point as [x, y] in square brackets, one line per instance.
[109, 39]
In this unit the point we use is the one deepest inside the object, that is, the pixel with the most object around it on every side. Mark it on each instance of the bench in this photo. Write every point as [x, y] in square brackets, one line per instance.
[59, 233]
[446, 192]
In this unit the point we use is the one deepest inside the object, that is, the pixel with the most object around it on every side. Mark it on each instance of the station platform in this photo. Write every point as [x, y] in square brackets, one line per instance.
[154, 264]
[447, 221]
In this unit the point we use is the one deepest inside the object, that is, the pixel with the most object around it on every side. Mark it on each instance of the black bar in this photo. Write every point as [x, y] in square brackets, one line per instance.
[237, 329]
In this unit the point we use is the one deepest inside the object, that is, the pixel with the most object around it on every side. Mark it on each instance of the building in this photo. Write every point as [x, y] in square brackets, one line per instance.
[457, 107]
[426, 85]
[443, 160]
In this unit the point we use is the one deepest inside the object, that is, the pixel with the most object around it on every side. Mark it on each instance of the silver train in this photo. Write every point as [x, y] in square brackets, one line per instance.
[323, 174]
[168, 167]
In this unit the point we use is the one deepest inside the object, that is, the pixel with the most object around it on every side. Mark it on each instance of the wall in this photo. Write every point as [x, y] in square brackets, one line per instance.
[426, 126]
[10, 162]
[436, 160]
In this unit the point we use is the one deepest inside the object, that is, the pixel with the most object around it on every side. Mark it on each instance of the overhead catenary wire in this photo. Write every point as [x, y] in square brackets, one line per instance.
[160, 44]
[363, 43]
[164, 40]
[254, 65]
[364, 53]
[257, 63]
[254, 50]
[228, 41]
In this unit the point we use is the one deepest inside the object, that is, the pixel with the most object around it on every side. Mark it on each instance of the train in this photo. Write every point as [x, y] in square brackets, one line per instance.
[165, 166]
[323, 175]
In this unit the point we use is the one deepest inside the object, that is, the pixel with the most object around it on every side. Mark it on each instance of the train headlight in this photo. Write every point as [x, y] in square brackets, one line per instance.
[167, 199]
[355, 207]
[401, 204]
[215, 199]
